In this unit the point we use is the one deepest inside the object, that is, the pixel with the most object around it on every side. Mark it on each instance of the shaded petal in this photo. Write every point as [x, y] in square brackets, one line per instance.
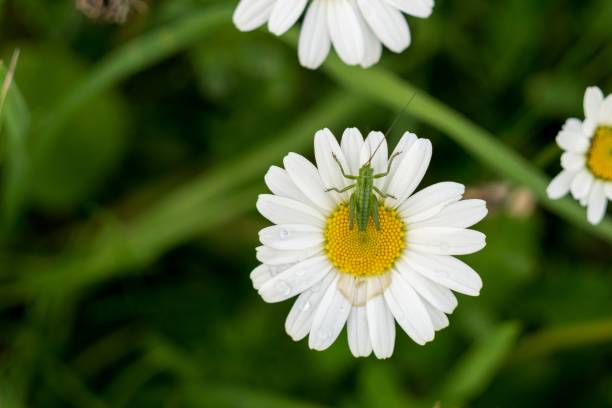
[605, 112]
[263, 273]
[407, 308]
[295, 280]
[581, 184]
[572, 161]
[329, 319]
[572, 141]
[271, 256]
[314, 43]
[380, 320]
[438, 318]
[408, 175]
[593, 98]
[279, 183]
[416, 8]
[299, 320]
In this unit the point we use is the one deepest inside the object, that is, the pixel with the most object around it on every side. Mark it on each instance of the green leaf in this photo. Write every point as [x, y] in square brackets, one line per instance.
[477, 368]
[14, 123]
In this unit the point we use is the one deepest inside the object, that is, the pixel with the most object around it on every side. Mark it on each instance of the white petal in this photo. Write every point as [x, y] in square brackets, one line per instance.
[596, 208]
[581, 184]
[299, 320]
[263, 273]
[573, 124]
[408, 310]
[560, 185]
[281, 210]
[593, 98]
[251, 14]
[326, 148]
[438, 318]
[608, 190]
[306, 177]
[417, 8]
[462, 214]
[314, 43]
[446, 270]
[345, 31]
[372, 47]
[329, 319]
[295, 280]
[387, 22]
[438, 295]
[284, 15]
[572, 161]
[380, 320]
[271, 256]
[291, 236]
[445, 240]
[351, 145]
[605, 112]
[571, 141]
[279, 182]
[408, 175]
[430, 201]
[358, 332]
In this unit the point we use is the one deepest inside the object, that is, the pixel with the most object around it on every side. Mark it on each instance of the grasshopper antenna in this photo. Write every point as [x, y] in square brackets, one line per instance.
[397, 118]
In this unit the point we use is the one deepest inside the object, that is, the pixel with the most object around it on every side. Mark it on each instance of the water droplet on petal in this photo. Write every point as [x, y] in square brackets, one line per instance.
[283, 287]
[323, 334]
[284, 234]
[306, 306]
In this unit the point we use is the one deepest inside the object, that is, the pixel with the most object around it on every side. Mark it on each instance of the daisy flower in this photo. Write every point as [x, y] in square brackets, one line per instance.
[403, 271]
[356, 28]
[587, 157]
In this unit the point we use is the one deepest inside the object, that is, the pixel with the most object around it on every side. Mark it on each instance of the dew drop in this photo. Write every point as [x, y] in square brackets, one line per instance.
[306, 306]
[283, 287]
[284, 234]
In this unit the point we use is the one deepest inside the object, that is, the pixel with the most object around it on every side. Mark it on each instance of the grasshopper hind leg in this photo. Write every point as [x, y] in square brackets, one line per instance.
[374, 209]
[352, 210]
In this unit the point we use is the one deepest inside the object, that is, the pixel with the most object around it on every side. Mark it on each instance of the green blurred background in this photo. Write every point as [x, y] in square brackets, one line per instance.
[131, 157]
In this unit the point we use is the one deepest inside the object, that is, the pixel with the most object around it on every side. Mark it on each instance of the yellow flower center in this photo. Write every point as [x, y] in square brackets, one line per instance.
[367, 253]
[599, 158]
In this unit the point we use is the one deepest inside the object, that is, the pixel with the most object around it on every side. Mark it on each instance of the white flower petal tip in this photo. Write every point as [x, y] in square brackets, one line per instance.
[406, 272]
[586, 163]
[357, 29]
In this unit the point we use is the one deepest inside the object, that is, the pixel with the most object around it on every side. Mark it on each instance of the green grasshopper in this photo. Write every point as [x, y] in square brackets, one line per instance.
[363, 203]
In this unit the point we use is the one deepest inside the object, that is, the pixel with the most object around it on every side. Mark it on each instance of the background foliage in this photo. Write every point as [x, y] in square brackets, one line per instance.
[131, 157]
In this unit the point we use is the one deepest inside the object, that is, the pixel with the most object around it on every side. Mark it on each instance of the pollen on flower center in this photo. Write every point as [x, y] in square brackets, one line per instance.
[366, 253]
[599, 158]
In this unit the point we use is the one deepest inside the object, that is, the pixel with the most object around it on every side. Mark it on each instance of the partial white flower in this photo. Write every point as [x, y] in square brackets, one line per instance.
[587, 160]
[356, 28]
[405, 271]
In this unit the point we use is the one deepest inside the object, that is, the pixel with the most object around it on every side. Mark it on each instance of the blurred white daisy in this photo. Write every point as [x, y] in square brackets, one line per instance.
[405, 271]
[587, 160]
[356, 28]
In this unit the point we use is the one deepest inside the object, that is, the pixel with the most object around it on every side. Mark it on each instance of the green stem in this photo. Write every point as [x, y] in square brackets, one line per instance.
[381, 86]
[551, 340]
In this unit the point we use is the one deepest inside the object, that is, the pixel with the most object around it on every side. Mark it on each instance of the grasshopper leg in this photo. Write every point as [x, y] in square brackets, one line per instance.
[383, 195]
[380, 175]
[374, 209]
[348, 176]
[337, 190]
[352, 210]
